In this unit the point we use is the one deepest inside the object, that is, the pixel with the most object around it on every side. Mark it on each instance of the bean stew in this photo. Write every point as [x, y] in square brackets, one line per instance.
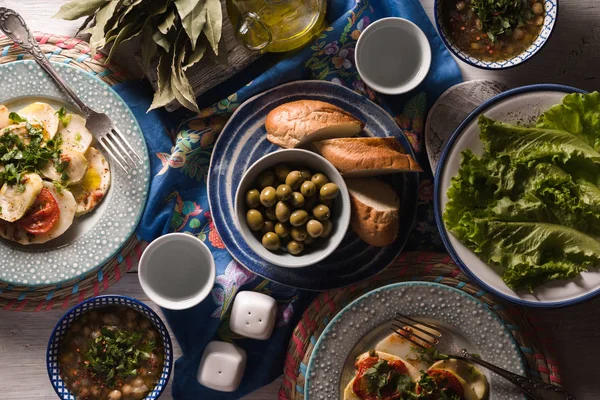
[112, 353]
[493, 30]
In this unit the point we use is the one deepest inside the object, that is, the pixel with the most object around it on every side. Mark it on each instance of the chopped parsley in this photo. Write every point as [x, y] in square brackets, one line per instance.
[78, 136]
[501, 17]
[116, 354]
[16, 118]
[429, 387]
[63, 117]
[19, 158]
[59, 186]
[382, 379]
[430, 354]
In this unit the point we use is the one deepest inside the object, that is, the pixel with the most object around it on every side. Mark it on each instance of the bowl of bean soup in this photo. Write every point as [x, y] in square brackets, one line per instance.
[495, 34]
[110, 348]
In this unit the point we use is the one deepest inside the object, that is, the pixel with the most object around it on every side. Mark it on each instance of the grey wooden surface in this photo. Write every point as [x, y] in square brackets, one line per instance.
[572, 57]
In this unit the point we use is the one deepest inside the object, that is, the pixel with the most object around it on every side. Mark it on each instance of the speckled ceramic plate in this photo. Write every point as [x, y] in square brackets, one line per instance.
[518, 106]
[243, 141]
[93, 239]
[361, 324]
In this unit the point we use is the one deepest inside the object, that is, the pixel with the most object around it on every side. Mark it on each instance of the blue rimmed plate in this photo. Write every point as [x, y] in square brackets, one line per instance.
[95, 238]
[551, 10]
[243, 141]
[518, 106]
[62, 327]
[364, 322]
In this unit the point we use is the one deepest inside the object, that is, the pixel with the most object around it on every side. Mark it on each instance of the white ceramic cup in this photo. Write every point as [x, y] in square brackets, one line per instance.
[177, 271]
[392, 55]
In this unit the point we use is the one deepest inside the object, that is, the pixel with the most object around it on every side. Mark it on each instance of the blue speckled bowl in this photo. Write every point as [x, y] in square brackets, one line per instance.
[98, 302]
[551, 7]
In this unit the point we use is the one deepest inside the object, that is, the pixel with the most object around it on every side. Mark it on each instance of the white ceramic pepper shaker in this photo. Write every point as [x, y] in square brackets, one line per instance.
[222, 366]
[253, 315]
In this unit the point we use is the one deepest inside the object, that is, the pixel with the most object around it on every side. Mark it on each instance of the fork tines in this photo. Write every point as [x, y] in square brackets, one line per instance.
[419, 333]
[119, 149]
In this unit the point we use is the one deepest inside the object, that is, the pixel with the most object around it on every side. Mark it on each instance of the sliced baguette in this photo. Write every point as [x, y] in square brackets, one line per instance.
[301, 122]
[375, 210]
[363, 157]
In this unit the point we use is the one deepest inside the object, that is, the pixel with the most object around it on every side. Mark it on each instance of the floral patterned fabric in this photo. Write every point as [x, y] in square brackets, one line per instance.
[180, 160]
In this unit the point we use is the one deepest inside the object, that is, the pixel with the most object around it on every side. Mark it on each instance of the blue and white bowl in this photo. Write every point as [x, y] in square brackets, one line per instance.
[551, 7]
[98, 302]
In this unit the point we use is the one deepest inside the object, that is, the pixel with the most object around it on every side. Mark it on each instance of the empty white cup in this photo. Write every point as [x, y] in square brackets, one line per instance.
[177, 271]
[392, 55]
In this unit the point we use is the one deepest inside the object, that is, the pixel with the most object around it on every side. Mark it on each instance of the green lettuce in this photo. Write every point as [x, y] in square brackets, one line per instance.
[578, 114]
[530, 205]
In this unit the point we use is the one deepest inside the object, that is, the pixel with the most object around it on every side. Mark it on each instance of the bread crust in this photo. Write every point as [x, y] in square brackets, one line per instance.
[294, 123]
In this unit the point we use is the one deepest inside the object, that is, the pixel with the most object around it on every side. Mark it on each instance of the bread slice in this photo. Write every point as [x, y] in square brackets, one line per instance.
[375, 210]
[367, 156]
[298, 123]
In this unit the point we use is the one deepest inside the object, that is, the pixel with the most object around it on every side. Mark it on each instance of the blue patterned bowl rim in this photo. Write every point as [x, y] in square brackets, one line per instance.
[437, 194]
[551, 8]
[98, 302]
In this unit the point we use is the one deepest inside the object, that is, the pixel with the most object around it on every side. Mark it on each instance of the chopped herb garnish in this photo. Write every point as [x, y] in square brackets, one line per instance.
[382, 379]
[116, 354]
[63, 117]
[499, 17]
[59, 186]
[430, 354]
[16, 118]
[78, 136]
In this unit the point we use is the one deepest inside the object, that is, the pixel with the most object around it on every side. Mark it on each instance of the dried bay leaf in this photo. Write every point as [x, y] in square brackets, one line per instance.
[163, 40]
[148, 45]
[167, 22]
[214, 23]
[182, 90]
[102, 16]
[195, 56]
[193, 17]
[164, 94]
[128, 32]
[220, 57]
[79, 8]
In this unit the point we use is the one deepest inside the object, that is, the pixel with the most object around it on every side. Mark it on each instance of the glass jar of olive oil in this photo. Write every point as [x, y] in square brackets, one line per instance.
[276, 25]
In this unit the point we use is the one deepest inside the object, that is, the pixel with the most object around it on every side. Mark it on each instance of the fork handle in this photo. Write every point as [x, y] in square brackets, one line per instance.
[13, 25]
[532, 387]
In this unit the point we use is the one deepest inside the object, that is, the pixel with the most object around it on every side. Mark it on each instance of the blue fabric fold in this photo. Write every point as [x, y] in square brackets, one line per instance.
[180, 160]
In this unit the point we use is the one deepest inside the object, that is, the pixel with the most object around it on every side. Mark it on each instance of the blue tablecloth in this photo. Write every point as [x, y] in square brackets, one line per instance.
[180, 155]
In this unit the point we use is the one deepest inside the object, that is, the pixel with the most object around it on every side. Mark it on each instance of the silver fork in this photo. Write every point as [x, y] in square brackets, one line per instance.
[99, 124]
[427, 336]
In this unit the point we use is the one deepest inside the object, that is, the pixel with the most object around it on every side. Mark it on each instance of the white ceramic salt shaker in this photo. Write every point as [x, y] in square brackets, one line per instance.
[222, 366]
[253, 315]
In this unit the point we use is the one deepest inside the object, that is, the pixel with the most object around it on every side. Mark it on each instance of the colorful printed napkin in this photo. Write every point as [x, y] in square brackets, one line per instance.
[180, 159]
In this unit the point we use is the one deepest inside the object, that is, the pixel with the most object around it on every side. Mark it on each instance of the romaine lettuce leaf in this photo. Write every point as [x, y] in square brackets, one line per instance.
[578, 114]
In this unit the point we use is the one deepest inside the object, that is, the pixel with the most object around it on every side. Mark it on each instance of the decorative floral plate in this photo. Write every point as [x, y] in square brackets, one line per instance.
[364, 322]
[94, 239]
[518, 106]
[243, 141]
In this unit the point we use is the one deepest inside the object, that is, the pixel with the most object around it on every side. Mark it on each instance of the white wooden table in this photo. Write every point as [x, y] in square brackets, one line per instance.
[572, 57]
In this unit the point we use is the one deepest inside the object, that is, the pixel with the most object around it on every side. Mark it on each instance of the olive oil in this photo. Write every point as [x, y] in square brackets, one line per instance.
[276, 25]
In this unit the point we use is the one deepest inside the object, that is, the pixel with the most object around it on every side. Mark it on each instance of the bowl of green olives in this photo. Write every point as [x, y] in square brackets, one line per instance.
[293, 208]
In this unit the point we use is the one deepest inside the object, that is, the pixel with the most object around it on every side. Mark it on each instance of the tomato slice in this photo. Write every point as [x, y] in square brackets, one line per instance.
[446, 382]
[43, 214]
[360, 386]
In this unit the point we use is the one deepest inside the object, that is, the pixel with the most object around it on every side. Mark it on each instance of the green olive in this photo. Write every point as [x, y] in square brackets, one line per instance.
[329, 191]
[294, 179]
[308, 241]
[284, 192]
[282, 171]
[319, 180]
[310, 203]
[325, 201]
[253, 198]
[269, 226]
[298, 217]
[294, 247]
[271, 241]
[271, 214]
[327, 228]
[282, 211]
[299, 233]
[308, 189]
[314, 228]
[266, 178]
[306, 175]
[282, 229]
[268, 196]
[297, 200]
[321, 212]
[255, 220]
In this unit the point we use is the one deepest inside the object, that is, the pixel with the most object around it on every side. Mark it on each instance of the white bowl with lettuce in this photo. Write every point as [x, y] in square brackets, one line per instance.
[517, 195]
